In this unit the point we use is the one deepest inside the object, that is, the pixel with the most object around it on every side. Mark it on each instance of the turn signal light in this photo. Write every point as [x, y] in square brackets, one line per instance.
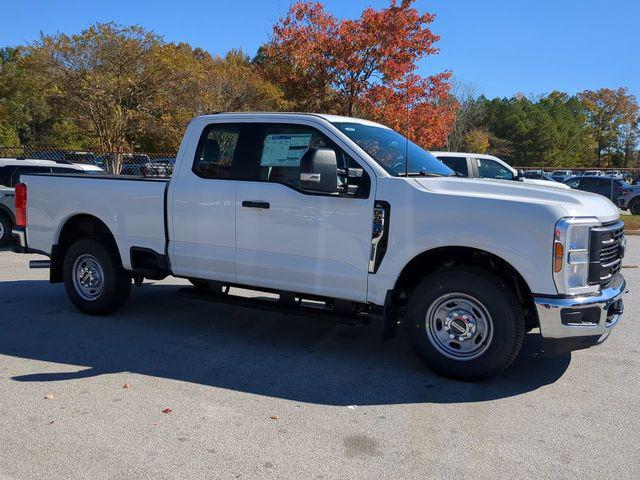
[558, 256]
[21, 205]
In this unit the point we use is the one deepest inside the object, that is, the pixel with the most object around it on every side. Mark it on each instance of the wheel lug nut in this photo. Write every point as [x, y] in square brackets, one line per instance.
[452, 335]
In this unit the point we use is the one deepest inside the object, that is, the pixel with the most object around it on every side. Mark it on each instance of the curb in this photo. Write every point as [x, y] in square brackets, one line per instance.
[632, 232]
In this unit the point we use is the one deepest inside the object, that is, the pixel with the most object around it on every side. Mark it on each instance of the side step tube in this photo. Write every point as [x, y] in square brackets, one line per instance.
[39, 263]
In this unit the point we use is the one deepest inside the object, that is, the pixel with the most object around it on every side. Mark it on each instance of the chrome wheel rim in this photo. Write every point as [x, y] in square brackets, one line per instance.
[1, 230]
[88, 277]
[459, 326]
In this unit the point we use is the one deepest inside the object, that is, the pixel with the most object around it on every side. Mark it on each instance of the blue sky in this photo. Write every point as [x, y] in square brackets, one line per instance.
[501, 46]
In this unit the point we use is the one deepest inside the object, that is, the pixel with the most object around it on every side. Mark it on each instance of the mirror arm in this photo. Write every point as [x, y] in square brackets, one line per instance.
[351, 172]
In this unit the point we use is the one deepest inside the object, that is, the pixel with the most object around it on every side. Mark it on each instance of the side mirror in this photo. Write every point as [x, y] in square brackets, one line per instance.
[319, 170]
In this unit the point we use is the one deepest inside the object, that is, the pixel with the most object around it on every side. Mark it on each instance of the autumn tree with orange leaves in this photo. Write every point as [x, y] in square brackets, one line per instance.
[364, 67]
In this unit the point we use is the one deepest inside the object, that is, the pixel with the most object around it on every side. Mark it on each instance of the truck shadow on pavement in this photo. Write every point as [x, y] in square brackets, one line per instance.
[163, 334]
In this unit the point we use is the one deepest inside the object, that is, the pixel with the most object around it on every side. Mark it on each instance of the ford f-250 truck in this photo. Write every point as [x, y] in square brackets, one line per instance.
[350, 215]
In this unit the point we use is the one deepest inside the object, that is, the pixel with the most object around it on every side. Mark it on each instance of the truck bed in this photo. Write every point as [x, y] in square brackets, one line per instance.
[133, 208]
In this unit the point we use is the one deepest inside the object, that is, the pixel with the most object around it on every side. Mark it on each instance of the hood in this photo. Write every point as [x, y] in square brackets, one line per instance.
[575, 203]
[546, 183]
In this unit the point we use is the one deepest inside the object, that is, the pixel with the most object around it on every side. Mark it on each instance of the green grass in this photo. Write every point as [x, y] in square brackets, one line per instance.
[631, 222]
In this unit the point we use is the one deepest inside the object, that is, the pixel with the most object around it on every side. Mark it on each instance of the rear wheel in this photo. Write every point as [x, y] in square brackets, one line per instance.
[93, 277]
[465, 323]
[5, 229]
[634, 206]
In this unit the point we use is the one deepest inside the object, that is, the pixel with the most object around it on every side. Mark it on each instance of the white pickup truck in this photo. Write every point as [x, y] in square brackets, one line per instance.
[345, 215]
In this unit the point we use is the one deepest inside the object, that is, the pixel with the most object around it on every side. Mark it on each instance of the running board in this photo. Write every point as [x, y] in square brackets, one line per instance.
[285, 307]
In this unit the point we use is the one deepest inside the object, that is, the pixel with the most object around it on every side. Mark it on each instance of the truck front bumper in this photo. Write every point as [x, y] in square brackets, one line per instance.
[573, 323]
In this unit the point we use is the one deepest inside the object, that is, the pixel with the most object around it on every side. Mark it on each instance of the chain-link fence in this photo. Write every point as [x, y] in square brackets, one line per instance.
[617, 184]
[120, 163]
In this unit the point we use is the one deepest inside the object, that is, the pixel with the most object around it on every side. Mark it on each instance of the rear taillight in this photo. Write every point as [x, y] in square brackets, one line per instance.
[21, 205]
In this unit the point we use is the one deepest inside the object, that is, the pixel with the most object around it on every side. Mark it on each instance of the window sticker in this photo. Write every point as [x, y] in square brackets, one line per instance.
[284, 150]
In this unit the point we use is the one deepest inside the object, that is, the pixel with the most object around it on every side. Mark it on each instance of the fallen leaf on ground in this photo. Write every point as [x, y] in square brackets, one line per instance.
[126, 385]
[166, 410]
[51, 422]
[274, 417]
[49, 396]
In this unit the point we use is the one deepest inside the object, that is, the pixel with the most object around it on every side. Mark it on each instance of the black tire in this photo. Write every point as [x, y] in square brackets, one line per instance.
[5, 229]
[505, 317]
[116, 282]
[634, 206]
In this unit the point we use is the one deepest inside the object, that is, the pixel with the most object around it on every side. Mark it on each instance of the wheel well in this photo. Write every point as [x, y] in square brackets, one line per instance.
[5, 212]
[444, 257]
[75, 228]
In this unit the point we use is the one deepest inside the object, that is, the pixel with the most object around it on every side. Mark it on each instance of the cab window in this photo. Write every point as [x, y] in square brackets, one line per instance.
[282, 146]
[491, 169]
[216, 150]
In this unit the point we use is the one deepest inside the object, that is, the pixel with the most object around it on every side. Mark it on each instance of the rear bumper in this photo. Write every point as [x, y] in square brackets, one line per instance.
[572, 323]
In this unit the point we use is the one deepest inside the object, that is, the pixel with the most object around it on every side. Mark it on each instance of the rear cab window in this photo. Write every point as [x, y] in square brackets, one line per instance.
[5, 176]
[216, 151]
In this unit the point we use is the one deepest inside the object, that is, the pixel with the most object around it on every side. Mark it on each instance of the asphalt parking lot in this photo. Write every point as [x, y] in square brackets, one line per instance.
[254, 394]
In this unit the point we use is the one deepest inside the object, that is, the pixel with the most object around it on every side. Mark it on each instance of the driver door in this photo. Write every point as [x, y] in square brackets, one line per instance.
[289, 239]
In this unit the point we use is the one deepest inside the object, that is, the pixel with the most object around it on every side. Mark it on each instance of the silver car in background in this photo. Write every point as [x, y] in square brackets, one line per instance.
[10, 171]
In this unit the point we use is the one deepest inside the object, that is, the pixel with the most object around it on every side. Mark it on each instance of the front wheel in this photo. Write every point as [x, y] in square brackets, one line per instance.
[465, 323]
[93, 277]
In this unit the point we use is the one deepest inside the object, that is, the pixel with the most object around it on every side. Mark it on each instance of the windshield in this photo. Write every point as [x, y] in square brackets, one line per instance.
[388, 148]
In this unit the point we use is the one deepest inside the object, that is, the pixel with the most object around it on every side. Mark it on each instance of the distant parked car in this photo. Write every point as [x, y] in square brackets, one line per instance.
[615, 174]
[476, 165]
[145, 166]
[612, 188]
[132, 163]
[594, 173]
[158, 167]
[630, 199]
[538, 175]
[561, 175]
[10, 171]
[83, 157]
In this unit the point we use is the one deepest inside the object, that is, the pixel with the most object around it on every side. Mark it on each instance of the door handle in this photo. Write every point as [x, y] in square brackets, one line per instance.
[250, 204]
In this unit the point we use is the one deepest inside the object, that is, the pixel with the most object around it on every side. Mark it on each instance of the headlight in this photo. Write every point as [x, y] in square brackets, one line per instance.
[571, 255]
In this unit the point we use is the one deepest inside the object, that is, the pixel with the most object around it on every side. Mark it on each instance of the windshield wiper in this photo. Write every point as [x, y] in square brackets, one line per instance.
[427, 174]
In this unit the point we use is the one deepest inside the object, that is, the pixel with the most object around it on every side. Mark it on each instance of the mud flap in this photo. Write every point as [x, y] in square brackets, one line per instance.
[390, 316]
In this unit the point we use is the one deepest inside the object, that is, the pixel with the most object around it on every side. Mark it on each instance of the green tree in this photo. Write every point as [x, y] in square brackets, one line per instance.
[608, 112]
[547, 131]
[120, 88]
